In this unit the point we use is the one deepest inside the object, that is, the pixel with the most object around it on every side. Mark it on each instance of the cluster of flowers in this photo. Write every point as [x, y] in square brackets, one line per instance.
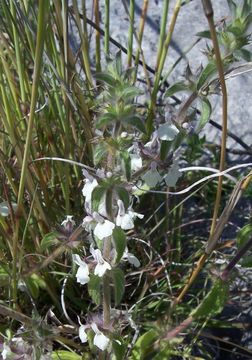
[102, 228]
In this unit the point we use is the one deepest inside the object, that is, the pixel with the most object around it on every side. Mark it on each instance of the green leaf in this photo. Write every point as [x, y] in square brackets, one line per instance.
[49, 240]
[119, 348]
[206, 111]
[94, 288]
[34, 283]
[4, 208]
[99, 152]
[143, 345]
[4, 276]
[204, 34]
[167, 132]
[243, 54]
[106, 119]
[118, 279]
[67, 355]
[123, 195]
[118, 62]
[213, 302]
[179, 86]
[119, 240]
[206, 74]
[246, 261]
[126, 162]
[105, 78]
[244, 234]
[97, 195]
[232, 6]
[135, 121]
[130, 92]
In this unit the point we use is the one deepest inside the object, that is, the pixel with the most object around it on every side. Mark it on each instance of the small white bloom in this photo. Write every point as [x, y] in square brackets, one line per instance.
[125, 219]
[68, 222]
[82, 334]
[6, 352]
[100, 340]
[132, 259]
[136, 162]
[124, 134]
[82, 274]
[102, 265]
[90, 185]
[88, 223]
[104, 228]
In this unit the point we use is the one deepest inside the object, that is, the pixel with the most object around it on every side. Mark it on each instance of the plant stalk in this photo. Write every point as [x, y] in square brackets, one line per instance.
[208, 10]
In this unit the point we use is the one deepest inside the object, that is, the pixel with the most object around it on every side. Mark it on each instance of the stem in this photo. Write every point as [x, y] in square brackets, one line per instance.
[106, 41]
[42, 14]
[210, 17]
[131, 31]
[140, 36]
[226, 272]
[160, 64]
[97, 37]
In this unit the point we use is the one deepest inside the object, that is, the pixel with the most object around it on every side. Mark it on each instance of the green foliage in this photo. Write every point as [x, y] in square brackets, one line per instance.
[118, 279]
[144, 344]
[213, 302]
[48, 241]
[59, 108]
[66, 355]
[119, 240]
[94, 288]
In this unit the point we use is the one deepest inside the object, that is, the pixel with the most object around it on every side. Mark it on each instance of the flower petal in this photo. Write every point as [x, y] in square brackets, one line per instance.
[77, 260]
[82, 334]
[104, 230]
[100, 269]
[132, 259]
[100, 340]
[88, 188]
[126, 222]
[136, 162]
[82, 274]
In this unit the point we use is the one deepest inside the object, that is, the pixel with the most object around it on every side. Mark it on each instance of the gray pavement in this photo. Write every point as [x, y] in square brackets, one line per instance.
[190, 21]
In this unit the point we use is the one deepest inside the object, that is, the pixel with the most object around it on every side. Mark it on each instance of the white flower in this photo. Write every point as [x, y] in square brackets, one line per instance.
[104, 228]
[132, 259]
[125, 219]
[100, 340]
[82, 274]
[102, 265]
[136, 162]
[68, 222]
[82, 334]
[90, 184]
[6, 352]
[88, 223]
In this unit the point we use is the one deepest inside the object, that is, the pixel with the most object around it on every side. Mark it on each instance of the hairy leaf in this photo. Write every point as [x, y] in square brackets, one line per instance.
[119, 240]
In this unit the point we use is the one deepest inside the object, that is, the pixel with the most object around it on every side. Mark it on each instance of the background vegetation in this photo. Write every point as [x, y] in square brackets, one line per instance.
[71, 101]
